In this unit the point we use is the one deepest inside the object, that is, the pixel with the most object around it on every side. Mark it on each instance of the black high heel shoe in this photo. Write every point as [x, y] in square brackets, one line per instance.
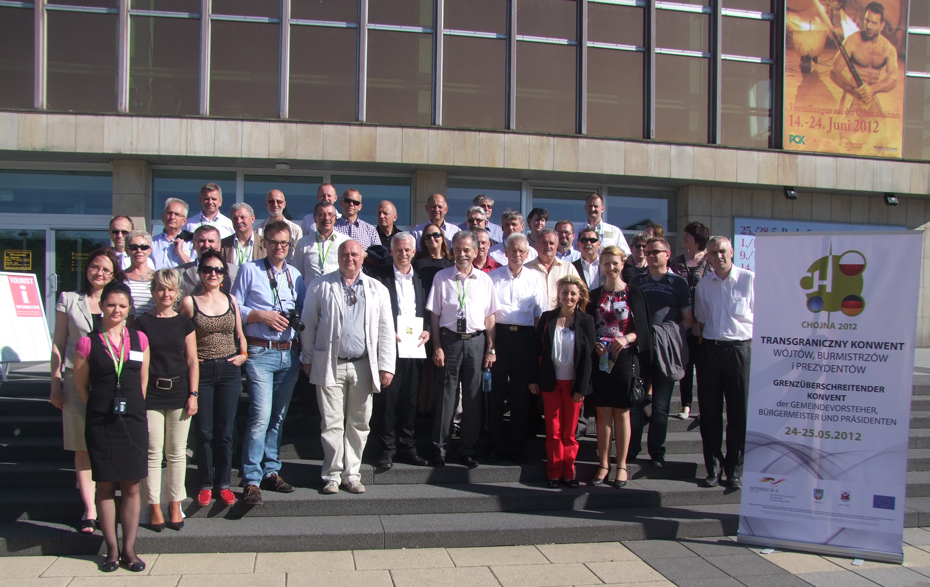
[136, 567]
[157, 527]
[174, 525]
[600, 481]
[618, 483]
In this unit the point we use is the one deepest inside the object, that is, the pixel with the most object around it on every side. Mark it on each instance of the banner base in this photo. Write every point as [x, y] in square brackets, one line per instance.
[851, 553]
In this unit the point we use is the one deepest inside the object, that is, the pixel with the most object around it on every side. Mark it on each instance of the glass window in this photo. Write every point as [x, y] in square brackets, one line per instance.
[621, 25]
[400, 75]
[113, 4]
[164, 66]
[546, 83]
[17, 56]
[244, 70]
[185, 185]
[615, 93]
[548, 18]
[746, 103]
[332, 10]
[375, 189]
[917, 118]
[461, 192]
[300, 193]
[401, 12]
[266, 8]
[55, 192]
[754, 5]
[82, 57]
[681, 99]
[627, 208]
[920, 14]
[489, 16]
[918, 53]
[562, 205]
[687, 31]
[189, 6]
[474, 83]
[323, 73]
[745, 36]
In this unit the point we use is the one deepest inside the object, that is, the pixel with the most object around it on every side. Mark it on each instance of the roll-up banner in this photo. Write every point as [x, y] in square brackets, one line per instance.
[830, 392]
[844, 76]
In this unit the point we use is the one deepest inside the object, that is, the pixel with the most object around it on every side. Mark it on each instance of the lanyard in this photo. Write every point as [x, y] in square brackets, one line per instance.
[117, 362]
[241, 251]
[322, 255]
[462, 295]
[273, 282]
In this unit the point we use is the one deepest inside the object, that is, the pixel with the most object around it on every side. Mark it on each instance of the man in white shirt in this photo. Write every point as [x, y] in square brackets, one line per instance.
[521, 300]
[608, 233]
[724, 304]
[242, 246]
[589, 265]
[211, 198]
[565, 230]
[550, 268]
[275, 202]
[511, 222]
[120, 227]
[436, 208]
[316, 252]
[325, 193]
[168, 249]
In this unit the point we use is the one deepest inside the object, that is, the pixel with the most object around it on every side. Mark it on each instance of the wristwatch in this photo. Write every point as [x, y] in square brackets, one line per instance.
[194, 394]
[492, 352]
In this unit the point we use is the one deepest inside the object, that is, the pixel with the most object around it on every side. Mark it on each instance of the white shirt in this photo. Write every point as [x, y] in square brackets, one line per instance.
[592, 273]
[220, 222]
[609, 235]
[563, 353]
[498, 253]
[406, 295]
[725, 306]
[314, 256]
[447, 229]
[476, 289]
[521, 299]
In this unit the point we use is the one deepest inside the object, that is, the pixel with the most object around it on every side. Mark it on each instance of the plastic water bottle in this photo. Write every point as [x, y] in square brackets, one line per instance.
[604, 363]
[486, 380]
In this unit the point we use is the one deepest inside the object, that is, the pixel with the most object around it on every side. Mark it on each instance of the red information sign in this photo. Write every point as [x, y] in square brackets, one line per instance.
[25, 295]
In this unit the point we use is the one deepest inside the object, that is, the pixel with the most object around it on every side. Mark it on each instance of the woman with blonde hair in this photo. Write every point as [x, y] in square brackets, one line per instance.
[171, 399]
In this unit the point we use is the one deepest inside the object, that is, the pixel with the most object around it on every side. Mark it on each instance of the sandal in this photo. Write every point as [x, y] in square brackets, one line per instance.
[573, 483]
[618, 483]
[600, 480]
[553, 483]
[87, 526]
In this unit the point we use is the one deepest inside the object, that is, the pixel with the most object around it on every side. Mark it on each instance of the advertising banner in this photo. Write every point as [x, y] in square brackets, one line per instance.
[844, 76]
[25, 337]
[830, 392]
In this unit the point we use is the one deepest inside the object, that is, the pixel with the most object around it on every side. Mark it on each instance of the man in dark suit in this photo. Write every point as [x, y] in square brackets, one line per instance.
[396, 405]
[588, 266]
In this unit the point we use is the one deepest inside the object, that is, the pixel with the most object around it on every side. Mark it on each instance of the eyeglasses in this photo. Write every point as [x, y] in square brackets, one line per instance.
[434, 235]
[655, 252]
[589, 240]
[138, 247]
[119, 232]
[208, 269]
[351, 298]
[99, 269]
[277, 244]
[353, 202]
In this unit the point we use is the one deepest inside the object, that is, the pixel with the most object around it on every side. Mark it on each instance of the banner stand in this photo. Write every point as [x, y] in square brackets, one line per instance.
[825, 549]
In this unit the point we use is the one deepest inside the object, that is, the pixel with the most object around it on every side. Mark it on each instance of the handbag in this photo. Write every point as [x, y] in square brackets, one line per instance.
[637, 396]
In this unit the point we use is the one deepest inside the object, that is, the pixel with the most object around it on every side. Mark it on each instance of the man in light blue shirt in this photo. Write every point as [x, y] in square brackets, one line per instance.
[270, 294]
[168, 249]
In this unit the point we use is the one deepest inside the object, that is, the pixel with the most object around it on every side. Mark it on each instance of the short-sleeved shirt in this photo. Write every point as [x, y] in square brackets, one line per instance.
[477, 290]
[668, 296]
[725, 306]
[359, 231]
[167, 359]
[315, 256]
[521, 299]
[83, 344]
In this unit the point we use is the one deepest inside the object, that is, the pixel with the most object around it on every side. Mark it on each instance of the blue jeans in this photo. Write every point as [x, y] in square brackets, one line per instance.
[662, 388]
[270, 377]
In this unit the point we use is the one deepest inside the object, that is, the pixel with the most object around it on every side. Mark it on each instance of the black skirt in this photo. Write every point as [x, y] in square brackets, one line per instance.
[612, 390]
[117, 445]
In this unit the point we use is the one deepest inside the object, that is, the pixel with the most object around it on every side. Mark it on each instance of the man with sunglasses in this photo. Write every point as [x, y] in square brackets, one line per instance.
[588, 265]
[351, 225]
[349, 353]
[669, 301]
[270, 294]
[206, 237]
[120, 227]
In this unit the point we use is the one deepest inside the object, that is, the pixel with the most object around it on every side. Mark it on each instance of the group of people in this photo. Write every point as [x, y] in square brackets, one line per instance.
[385, 324]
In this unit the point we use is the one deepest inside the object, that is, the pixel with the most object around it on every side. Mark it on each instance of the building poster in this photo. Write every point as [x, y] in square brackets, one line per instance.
[830, 392]
[844, 76]
[25, 336]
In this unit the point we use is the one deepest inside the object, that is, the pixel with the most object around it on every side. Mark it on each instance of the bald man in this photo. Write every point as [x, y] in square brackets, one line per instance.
[436, 209]
[275, 202]
[387, 217]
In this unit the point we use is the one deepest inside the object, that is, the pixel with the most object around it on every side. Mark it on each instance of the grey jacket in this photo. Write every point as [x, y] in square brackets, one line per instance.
[670, 350]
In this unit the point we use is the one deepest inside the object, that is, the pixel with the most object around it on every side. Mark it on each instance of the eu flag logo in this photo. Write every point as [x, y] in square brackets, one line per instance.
[883, 502]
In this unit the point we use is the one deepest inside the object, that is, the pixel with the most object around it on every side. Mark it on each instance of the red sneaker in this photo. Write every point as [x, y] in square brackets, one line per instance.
[227, 497]
[204, 497]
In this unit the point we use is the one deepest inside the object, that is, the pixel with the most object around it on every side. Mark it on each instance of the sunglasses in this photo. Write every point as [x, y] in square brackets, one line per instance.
[208, 269]
[351, 298]
[434, 235]
[655, 252]
[138, 247]
[120, 232]
[353, 202]
[588, 240]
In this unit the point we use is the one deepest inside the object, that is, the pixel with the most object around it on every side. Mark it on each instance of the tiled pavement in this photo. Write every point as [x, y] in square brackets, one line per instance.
[717, 562]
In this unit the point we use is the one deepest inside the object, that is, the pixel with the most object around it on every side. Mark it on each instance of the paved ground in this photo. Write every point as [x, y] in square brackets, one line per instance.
[717, 562]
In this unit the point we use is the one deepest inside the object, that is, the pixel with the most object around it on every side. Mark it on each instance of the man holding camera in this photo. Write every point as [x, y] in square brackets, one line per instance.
[270, 294]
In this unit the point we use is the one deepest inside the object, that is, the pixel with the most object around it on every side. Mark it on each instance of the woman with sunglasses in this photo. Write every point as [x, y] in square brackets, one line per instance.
[433, 255]
[139, 275]
[221, 350]
[76, 314]
[111, 369]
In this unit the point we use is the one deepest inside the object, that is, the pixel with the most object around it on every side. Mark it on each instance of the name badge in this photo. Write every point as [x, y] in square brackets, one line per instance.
[460, 326]
[135, 356]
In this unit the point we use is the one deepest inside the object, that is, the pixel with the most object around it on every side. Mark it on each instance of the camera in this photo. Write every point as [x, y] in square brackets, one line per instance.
[293, 319]
[119, 406]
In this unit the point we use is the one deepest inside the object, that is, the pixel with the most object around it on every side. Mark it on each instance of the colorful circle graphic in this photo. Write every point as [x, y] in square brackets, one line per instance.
[852, 263]
[852, 305]
[815, 304]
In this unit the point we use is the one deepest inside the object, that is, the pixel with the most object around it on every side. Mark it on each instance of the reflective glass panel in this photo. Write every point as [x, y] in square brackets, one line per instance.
[375, 189]
[23, 251]
[628, 209]
[918, 53]
[548, 18]
[164, 66]
[114, 4]
[72, 247]
[561, 205]
[615, 93]
[622, 25]
[754, 5]
[300, 193]
[920, 14]
[400, 75]
[55, 192]
[489, 16]
[189, 6]
[402, 12]
[917, 118]
[323, 73]
[268, 8]
[686, 31]
[185, 185]
[17, 57]
[745, 36]
[746, 98]
[82, 61]
[546, 82]
[244, 70]
[474, 83]
[332, 10]
[461, 192]
[681, 99]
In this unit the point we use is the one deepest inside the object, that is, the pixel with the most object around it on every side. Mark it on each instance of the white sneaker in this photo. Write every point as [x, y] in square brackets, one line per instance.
[685, 414]
[354, 487]
[330, 488]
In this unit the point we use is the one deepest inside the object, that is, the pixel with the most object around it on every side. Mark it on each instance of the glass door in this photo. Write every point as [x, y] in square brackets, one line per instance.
[23, 251]
[71, 250]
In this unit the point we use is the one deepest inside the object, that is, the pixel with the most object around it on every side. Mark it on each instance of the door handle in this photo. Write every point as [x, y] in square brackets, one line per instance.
[53, 283]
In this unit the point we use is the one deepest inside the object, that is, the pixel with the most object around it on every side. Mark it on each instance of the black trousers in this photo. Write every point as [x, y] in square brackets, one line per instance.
[396, 407]
[724, 377]
[463, 364]
[510, 385]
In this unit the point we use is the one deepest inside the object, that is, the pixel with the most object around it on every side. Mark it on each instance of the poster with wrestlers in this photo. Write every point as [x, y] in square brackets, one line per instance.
[830, 392]
[844, 76]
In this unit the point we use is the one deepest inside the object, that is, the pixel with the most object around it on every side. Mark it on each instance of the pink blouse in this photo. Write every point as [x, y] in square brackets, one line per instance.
[83, 345]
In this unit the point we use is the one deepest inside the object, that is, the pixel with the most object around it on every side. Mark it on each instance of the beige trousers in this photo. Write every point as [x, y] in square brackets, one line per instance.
[167, 434]
[346, 411]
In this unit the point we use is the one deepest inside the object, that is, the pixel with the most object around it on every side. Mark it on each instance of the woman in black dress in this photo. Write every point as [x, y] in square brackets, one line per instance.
[111, 368]
[170, 400]
[432, 256]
